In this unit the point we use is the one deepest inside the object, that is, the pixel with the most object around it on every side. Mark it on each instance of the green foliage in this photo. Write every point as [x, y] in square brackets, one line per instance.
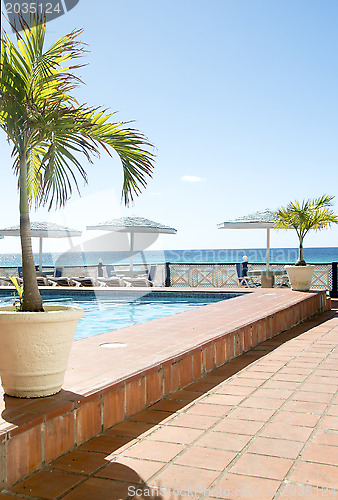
[45, 123]
[50, 131]
[304, 216]
[17, 304]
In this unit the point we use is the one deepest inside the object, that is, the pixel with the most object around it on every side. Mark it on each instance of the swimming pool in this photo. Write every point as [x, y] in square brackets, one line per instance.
[105, 311]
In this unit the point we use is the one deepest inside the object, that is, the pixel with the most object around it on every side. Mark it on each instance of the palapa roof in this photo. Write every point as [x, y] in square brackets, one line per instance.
[133, 225]
[261, 219]
[43, 229]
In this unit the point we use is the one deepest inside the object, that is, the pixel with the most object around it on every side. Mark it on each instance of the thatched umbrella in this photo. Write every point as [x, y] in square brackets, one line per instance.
[42, 230]
[133, 225]
[264, 219]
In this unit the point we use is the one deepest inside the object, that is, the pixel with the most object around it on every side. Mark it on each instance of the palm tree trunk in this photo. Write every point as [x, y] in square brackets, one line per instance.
[301, 261]
[31, 300]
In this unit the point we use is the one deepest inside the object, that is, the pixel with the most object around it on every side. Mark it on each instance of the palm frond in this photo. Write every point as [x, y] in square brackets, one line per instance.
[310, 214]
[45, 123]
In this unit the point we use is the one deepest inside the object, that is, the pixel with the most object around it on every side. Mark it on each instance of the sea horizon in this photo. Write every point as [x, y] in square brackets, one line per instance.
[312, 255]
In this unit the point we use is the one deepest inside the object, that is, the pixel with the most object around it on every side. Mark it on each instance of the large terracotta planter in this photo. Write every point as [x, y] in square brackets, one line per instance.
[300, 277]
[34, 349]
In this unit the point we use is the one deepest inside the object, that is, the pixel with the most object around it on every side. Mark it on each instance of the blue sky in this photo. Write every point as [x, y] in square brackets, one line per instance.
[238, 96]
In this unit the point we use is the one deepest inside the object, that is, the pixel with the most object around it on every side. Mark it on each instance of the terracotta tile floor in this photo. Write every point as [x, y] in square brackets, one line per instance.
[144, 347]
[263, 426]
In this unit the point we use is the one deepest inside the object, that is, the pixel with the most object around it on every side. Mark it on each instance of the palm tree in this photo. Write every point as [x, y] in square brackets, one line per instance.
[49, 130]
[310, 214]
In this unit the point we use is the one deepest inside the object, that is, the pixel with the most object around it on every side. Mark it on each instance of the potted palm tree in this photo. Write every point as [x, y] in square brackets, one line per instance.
[309, 214]
[49, 131]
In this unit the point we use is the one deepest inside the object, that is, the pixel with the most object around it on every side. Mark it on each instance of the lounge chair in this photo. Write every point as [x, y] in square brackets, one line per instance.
[113, 281]
[246, 281]
[140, 280]
[88, 281]
[109, 271]
[283, 281]
[9, 282]
[60, 280]
[43, 281]
[20, 271]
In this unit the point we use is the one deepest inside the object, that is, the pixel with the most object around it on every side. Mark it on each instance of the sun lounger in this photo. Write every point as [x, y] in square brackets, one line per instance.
[4, 280]
[137, 282]
[114, 281]
[42, 281]
[246, 281]
[141, 280]
[59, 280]
[62, 281]
[87, 281]
[20, 270]
[109, 270]
[9, 282]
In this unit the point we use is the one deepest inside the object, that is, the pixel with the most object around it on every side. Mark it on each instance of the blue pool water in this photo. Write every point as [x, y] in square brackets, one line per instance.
[109, 311]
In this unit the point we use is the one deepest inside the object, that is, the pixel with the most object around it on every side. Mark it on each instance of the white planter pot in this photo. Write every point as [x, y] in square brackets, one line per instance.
[300, 277]
[34, 349]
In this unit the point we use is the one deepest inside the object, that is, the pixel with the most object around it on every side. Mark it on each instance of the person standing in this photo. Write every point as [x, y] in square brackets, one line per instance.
[100, 269]
[245, 265]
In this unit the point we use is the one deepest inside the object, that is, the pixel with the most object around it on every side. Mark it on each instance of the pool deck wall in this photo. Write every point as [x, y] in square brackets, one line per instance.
[104, 386]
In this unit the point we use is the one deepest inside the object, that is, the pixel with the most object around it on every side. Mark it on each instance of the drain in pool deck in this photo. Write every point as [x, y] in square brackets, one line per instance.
[113, 345]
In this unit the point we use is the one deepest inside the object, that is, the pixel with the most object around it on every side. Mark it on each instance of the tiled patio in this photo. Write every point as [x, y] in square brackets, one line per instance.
[264, 425]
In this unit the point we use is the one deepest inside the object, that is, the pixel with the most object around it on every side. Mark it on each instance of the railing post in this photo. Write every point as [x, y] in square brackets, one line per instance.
[334, 291]
[167, 274]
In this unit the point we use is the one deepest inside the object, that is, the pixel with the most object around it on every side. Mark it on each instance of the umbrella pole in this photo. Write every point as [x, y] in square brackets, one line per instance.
[267, 249]
[40, 254]
[131, 251]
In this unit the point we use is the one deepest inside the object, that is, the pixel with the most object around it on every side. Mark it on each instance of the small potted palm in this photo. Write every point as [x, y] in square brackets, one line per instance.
[49, 132]
[309, 214]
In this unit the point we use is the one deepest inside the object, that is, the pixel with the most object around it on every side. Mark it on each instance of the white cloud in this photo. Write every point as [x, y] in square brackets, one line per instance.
[193, 178]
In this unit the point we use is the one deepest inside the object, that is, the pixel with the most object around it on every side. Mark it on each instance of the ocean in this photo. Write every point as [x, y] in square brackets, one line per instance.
[318, 255]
